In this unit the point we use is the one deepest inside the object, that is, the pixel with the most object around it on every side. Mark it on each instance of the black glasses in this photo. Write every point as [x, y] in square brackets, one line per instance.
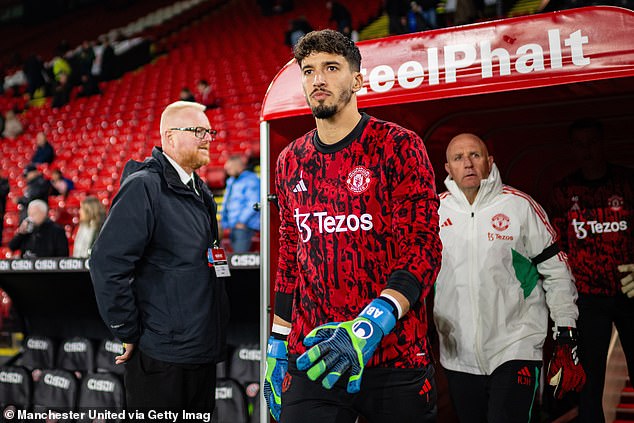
[199, 131]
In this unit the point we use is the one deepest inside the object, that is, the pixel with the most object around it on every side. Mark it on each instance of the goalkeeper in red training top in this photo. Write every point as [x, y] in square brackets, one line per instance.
[594, 212]
[359, 252]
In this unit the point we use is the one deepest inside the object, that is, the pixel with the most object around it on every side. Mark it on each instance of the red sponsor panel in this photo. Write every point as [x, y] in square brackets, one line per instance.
[526, 52]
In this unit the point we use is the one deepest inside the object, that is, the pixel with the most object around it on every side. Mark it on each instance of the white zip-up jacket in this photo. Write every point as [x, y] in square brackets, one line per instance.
[491, 303]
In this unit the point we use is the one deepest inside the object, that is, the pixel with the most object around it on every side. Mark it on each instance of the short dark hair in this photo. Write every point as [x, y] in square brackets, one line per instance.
[328, 41]
[585, 123]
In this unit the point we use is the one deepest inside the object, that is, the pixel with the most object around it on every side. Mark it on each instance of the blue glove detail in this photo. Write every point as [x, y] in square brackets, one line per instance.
[348, 346]
[276, 368]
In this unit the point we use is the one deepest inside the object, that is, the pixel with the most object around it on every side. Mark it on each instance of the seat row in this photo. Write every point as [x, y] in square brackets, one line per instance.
[78, 374]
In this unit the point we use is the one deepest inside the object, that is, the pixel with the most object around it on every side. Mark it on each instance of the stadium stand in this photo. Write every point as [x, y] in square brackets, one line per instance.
[95, 136]
[73, 26]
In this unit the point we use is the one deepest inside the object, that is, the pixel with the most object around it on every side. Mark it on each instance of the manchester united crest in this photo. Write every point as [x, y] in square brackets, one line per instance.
[500, 222]
[358, 180]
[615, 202]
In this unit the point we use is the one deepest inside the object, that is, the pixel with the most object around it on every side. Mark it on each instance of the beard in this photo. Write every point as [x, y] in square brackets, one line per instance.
[195, 161]
[321, 111]
[324, 112]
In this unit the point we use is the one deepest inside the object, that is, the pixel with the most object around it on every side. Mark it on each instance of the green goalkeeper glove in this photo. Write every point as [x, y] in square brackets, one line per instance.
[276, 368]
[348, 346]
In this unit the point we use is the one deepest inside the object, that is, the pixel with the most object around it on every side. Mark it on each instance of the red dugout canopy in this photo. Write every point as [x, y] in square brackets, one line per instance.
[528, 52]
[518, 83]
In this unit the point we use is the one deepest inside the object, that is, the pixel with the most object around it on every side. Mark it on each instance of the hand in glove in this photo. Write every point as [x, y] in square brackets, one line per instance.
[340, 347]
[276, 368]
[564, 370]
[628, 281]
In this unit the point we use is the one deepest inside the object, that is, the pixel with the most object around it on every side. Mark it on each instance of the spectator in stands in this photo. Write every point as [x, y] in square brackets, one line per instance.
[34, 72]
[61, 91]
[206, 95]
[415, 19]
[44, 152]
[13, 83]
[150, 269]
[465, 12]
[238, 214]
[4, 193]
[500, 277]
[89, 86]
[186, 95]
[341, 16]
[39, 236]
[397, 15]
[429, 13]
[98, 49]
[12, 125]
[91, 216]
[60, 64]
[37, 188]
[109, 66]
[61, 184]
[85, 58]
[594, 212]
[297, 28]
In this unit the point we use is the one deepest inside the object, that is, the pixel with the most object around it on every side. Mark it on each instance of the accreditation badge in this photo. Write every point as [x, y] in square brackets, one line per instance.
[217, 259]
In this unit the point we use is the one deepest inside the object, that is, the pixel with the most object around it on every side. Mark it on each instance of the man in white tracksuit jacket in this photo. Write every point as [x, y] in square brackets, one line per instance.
[501, 273]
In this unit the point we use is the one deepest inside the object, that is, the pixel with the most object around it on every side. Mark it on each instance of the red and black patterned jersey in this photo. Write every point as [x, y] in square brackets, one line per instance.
[594, 220]
[352, 214]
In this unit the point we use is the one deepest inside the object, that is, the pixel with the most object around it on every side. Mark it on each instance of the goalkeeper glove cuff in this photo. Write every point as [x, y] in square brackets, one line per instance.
[382, 313]
[565, 335]
[276, 368]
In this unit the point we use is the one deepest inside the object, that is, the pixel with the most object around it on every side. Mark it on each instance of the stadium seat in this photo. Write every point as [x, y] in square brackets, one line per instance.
[106, 353]
[244, 368]
[38, 352]
[15, 387]
[76, 355]
[244, 365]
[100, 392]
[55, 390]
[231, 405]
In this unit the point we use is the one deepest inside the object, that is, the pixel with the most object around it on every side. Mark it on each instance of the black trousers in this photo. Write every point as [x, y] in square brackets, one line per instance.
[157, 385]
[505, 396]
[596, 316]
[386, 396]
